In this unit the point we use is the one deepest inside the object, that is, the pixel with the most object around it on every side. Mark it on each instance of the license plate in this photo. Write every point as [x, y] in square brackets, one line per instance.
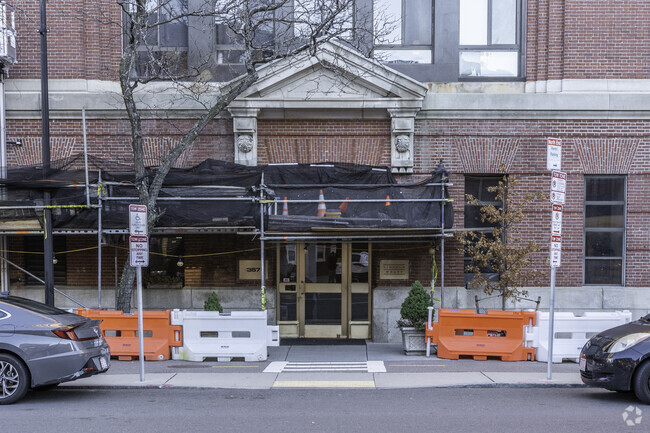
[583, 364]
[103, 363]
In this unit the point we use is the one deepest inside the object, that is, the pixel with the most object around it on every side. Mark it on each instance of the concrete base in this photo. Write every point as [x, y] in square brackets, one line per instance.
[386, 301]
[187, 298]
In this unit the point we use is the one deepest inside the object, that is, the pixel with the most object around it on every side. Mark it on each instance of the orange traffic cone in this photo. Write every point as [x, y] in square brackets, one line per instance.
[387, 200]
[285, 207]
[344, 205]
[322, 209]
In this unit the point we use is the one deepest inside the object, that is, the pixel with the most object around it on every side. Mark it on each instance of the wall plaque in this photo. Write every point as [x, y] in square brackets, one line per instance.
[251, 269]
[394, 270]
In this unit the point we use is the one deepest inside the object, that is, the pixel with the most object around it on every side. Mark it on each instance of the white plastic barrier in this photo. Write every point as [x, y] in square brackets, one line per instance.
[210, 334]
[571, 332]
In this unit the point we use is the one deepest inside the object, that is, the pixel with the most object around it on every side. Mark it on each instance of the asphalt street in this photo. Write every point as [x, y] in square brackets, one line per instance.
[533, 410]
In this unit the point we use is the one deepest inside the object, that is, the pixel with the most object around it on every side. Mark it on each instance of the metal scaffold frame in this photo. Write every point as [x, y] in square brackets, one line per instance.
[268, 205]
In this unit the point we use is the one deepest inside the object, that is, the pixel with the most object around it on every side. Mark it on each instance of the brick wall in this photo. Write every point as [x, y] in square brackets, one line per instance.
[353, 141]
[111, 140]
[84, 39]
[589, 147]
[578, 39]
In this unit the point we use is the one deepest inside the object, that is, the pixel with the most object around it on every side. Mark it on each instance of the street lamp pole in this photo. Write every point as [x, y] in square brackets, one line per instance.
[48, 241]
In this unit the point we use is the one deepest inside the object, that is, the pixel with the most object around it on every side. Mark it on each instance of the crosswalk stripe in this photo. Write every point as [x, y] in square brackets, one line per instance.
[323, 366]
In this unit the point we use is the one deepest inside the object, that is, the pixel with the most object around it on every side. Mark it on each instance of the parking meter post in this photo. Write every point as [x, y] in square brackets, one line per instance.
[551, 314]
[140, 323]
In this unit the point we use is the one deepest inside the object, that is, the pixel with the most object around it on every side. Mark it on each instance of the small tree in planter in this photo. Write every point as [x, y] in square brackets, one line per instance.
[414, 314]
[502, 251]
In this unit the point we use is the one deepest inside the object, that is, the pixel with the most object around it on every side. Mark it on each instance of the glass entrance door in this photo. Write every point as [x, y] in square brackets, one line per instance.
[324, 290]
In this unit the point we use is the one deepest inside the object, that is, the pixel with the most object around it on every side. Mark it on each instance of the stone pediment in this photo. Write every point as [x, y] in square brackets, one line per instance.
[336, 77]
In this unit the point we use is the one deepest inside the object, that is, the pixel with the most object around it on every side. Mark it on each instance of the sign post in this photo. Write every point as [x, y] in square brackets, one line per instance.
[139, 257]
[558, 198]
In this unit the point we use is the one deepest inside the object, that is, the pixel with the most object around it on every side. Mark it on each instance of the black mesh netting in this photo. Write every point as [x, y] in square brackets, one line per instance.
[344, 184]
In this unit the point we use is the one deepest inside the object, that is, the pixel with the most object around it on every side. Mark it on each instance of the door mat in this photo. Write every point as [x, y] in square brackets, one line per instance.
[321, 342]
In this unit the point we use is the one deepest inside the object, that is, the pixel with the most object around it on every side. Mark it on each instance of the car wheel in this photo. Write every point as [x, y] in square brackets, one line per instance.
[641, 382]
[14, 379]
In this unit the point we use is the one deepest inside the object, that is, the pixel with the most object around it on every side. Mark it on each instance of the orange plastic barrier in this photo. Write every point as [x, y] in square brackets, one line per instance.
[495, 334]
[121, 333]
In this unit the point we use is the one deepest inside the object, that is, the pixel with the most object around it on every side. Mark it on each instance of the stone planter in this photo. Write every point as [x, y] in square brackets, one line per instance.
[413, 341]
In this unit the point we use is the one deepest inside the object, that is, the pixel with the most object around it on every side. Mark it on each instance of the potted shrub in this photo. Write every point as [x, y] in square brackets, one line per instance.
[414, 313]
[212, 303]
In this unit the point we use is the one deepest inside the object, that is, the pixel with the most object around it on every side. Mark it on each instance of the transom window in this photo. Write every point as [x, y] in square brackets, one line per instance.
[403, 31]
[604, 241]
[489, 35]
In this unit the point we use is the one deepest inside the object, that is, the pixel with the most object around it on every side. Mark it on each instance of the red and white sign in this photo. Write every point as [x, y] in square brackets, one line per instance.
[558, 187]
[137, 220]
[556, 220]
[556, 251]
[139, 249]
[553, 154]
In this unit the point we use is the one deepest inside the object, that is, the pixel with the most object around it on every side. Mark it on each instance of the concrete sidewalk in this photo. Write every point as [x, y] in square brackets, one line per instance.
[375, 366]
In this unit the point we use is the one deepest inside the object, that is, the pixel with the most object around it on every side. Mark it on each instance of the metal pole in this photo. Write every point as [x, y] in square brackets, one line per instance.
[262, 257]
[115, 272]
[4, 269]
[140, 323]
[551, 315]
[48, 241]
[83, 122]
[442, 246]
[99, 238]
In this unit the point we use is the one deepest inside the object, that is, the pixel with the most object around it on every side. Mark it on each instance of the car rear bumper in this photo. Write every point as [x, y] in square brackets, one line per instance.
[74, 364]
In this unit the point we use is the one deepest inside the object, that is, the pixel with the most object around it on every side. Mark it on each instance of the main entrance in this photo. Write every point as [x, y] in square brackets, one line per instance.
[324, 290]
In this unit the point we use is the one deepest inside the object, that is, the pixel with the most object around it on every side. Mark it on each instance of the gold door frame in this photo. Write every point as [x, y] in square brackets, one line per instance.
[347, 328]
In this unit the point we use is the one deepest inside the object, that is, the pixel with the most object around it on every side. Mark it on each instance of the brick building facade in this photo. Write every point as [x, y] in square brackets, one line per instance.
[575, 70]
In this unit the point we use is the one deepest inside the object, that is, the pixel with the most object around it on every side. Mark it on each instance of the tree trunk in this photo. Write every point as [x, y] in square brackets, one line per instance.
[125, 290]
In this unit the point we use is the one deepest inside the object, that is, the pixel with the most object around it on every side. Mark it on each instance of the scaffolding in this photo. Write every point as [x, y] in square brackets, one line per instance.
[364, 203]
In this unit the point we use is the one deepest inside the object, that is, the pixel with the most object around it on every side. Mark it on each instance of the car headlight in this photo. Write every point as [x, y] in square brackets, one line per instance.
[627, 341]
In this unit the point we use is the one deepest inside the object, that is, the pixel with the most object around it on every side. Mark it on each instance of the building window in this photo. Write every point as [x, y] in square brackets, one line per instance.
[308, 15]
[230, 45]
[489, 38]
[163, 52]
[403, 31]
[478, 187]
[604, 240]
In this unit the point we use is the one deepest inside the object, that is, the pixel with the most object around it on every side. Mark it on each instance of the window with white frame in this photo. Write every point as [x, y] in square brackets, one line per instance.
[604, 236]
[403, 31]
[489, 38]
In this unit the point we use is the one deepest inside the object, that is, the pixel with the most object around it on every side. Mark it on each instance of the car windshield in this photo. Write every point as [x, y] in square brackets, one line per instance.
[30, 305]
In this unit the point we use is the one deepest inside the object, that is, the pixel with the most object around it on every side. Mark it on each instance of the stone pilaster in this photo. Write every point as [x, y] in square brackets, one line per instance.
[402, 130]
[245, 130]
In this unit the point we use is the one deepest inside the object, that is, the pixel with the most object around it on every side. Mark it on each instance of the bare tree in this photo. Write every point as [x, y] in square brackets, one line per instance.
[261, 31]
[502, 250]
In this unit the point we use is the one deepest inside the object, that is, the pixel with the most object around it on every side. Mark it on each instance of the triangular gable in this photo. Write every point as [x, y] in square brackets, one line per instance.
[336, 77]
